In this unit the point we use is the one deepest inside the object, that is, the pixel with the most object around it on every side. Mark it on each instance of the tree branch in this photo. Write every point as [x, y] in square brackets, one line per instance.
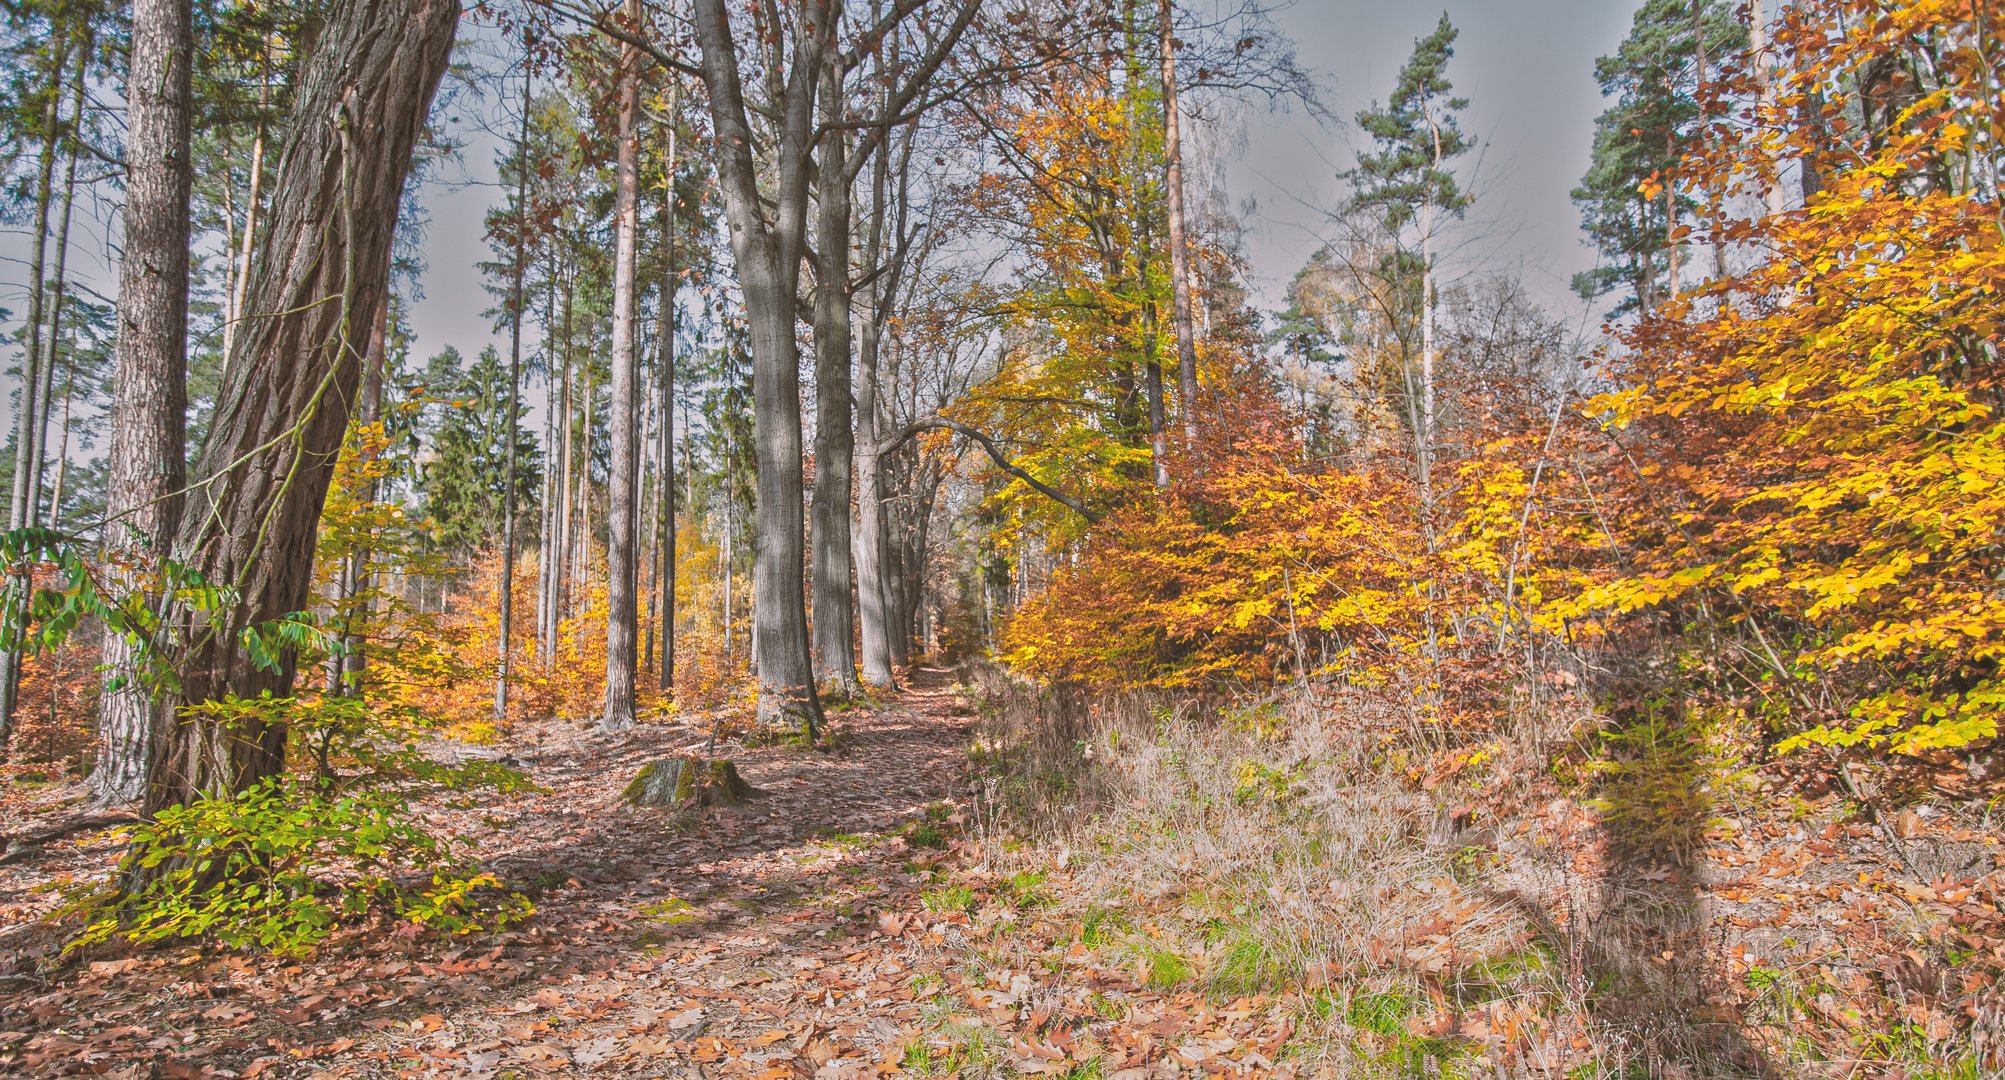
[989, 445]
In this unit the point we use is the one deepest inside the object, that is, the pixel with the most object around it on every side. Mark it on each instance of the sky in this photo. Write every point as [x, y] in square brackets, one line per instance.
[1525, 65]
[1527, 68]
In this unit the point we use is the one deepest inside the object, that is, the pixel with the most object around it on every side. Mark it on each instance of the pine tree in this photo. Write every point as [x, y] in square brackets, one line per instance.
[1654, 78]
[1405, 179]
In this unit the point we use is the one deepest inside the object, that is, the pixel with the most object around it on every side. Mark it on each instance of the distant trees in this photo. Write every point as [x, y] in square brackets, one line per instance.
[1632, 204]
[465, 480]
[1405, 181]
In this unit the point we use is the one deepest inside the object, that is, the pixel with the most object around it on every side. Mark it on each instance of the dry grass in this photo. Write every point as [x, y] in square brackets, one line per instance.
[1512, 918]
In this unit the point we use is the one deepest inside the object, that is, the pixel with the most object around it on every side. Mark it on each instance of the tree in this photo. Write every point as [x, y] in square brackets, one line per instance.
[361, 104]
[1173, 172]
[1656, 78]
[1405, 179]
[467, 481]
[518, 268]
[622, 517]
[149, 397]
[767, 252]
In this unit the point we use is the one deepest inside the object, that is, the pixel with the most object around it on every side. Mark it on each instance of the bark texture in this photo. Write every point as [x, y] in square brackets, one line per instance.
[622, 523]
[835, 440]
[768, 257]
[363, 94]
[1179, 249]
[147, 457]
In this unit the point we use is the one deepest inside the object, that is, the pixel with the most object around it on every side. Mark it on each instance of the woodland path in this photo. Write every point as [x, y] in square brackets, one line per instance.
[777, 938]
[746, 943]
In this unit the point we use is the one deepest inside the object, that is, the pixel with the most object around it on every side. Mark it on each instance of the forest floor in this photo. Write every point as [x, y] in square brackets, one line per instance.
[1236, 909]
[803, 933]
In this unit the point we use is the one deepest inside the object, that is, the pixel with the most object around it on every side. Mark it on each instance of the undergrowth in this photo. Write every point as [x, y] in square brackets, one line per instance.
[1422, 914]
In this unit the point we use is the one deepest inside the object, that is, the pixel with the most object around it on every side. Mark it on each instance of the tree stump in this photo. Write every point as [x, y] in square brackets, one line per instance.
[676, 781]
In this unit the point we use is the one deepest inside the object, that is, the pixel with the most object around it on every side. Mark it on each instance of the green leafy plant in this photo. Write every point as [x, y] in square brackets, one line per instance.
[280, 865]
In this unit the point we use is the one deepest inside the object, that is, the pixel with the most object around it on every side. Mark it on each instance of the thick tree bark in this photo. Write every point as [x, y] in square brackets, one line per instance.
[363, 95]
[835, 613]
[622, 549]
[768, 259]
[1179, 246]
[147, 456]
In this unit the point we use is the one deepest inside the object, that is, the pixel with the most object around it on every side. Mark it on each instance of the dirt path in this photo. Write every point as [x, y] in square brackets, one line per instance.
[776, 939]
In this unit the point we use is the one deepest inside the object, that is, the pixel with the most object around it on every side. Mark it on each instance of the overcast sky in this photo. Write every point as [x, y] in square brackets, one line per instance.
[1525, 65]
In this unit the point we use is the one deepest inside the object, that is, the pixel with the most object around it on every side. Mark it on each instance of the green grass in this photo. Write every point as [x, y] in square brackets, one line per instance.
[668, 911]
[1026, 889]
[948, 899]
[1249, 964]
[1382, 1013]
[1103, 926]
[1162, 969]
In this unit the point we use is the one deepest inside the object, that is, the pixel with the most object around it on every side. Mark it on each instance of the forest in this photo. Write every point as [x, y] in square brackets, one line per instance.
[890, 575]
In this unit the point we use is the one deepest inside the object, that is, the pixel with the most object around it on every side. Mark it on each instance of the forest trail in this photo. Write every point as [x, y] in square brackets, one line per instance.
[762, 939]
[733, 946]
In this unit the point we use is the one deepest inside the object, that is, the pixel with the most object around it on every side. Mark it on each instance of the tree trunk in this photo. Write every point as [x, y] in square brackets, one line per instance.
[1179, 246]
[504, 645]
[239, 276]
[871, 583]
[664, 581]
[147, 456]
[561, 549]
[835, 613]
[27, 406]
[622, 564]
[59, 282]
[768, 261]
[363, 95]
[1763, 64]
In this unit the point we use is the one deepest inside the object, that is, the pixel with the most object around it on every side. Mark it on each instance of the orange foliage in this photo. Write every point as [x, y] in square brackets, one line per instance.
[1811, 448]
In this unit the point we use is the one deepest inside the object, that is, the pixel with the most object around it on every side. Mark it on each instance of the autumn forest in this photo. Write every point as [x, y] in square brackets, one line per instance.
[887, 570]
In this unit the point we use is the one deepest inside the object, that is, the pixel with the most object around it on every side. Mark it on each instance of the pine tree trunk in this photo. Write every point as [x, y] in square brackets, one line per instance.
[239, 276]
[363, 94]
[560, 550]
[27, 406]
[59, 281]
[767, 262]
[147, 455]
[622, 564]
[664, 581]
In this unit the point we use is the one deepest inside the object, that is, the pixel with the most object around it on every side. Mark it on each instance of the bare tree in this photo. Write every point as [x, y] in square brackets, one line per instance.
[1179, 247]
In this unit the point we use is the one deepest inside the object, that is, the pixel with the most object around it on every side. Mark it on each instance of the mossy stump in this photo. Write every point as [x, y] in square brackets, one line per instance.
[679, 781]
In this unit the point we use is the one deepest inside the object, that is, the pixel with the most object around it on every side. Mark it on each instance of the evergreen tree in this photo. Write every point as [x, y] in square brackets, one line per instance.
[462, 484]
[1405, 179]
[1654, 78]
